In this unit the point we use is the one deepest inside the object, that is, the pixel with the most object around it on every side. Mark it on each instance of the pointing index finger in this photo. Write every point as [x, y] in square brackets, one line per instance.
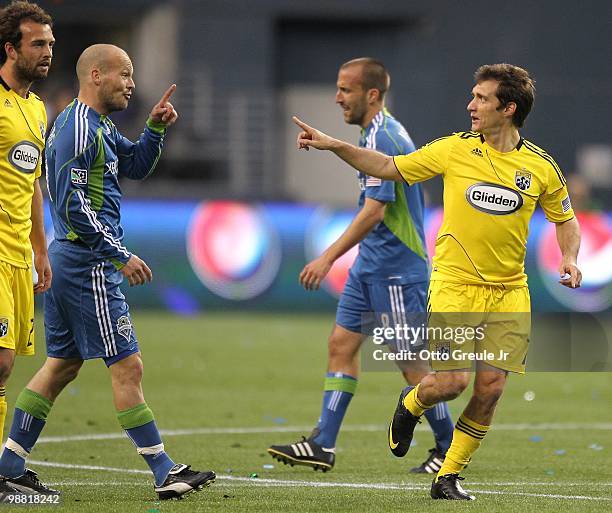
[166, 96]
[301, 124]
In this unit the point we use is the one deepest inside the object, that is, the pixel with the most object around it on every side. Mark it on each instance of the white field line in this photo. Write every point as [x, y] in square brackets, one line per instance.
[602, 426]
[323, 484]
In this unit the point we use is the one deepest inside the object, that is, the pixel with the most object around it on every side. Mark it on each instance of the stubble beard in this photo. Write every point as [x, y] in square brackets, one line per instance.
[356, 116]
[111, 104]
[27, 73]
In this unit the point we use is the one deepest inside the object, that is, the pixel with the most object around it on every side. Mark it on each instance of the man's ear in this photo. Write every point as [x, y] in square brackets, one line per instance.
[10, 50]
[373, 95]
[510, 108]
[96, 76]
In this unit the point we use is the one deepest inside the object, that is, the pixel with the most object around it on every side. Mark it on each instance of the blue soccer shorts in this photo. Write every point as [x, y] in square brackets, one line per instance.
[364, 307]
[86, 315]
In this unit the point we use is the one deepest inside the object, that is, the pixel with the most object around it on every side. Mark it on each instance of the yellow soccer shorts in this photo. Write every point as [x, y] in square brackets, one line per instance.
[16, 309]
[468, 324]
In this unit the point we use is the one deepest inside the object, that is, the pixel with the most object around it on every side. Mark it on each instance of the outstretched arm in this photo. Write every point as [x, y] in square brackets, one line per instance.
[138, 160]
[568, 238]
[367, 161]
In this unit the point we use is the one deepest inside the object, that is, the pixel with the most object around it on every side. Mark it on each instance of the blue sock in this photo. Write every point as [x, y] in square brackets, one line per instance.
[441, 424]
[140, 426]
[29, 418]
[339, 390]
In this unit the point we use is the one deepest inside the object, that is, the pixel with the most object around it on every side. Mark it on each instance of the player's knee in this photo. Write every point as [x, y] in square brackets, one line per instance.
[455, 386]
[338, 349]
[413, 373]
[126, 374]
[70, 372]
[7, 359]
[490, 393]
[55, 377]
[132, 370]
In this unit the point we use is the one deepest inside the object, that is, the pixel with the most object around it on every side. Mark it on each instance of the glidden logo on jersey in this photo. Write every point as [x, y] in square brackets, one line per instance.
[24, 156]
[493, 199]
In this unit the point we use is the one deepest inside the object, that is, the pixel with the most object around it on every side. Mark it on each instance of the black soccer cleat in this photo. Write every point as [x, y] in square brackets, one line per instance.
[432, 464]
[5, 487]
[181, 481]
[447, 487]
[6, 490]
[29, 484]
[402, 427]
[306, 452]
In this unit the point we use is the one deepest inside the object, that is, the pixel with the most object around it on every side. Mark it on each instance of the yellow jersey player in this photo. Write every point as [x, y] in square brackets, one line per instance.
[25, 56]
[493, 179]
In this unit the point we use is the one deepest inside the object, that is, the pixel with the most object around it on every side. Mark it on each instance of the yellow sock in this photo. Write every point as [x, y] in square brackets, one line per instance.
[414, 405]
[466, 439]
[2, 412]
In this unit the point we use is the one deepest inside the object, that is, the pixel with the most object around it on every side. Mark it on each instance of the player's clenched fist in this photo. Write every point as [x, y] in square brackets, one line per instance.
[137, 271]
[570, 276]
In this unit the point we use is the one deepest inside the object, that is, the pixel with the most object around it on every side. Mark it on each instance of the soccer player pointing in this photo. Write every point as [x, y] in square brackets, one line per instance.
[86, 315]
[105, 91]
[493, 179]
[388, 280]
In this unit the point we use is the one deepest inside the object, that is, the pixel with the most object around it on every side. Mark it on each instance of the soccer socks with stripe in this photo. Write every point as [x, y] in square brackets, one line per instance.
[30, 416]
[466, 439]
[139, 424]
[438, 416]
[2, 412]
[339, 390]
[441, 424]
[414, 405]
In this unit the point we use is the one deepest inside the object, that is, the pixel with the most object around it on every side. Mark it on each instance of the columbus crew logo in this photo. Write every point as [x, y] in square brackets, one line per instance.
[4, 326]
[522, 179]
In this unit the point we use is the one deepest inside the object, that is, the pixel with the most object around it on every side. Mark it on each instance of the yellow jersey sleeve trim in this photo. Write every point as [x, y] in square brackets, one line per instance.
[427, 162]
[541, 153]
[557, 206]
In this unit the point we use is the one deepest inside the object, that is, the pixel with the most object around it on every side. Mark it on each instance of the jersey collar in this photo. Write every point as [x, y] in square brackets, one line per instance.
[377, 121]
[87, 110]
[8, 88]
[518, 146]
[4, 84]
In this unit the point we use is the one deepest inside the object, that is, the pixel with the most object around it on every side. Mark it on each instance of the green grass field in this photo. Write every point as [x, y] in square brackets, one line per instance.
[225, 386]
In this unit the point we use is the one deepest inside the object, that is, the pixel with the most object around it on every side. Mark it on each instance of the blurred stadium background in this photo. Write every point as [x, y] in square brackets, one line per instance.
[233, 213]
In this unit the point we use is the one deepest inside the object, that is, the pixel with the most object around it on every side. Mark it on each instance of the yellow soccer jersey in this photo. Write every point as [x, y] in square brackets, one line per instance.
[23, 123]
[489, 198]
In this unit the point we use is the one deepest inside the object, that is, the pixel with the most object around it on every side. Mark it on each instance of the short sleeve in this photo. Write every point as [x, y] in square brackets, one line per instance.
[381, 190]
[427, 162]
[43, 130]
[390, 143]
[555, 200]
[557, 206]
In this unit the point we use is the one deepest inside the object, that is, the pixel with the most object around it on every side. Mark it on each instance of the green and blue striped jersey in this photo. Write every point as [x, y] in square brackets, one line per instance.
[85, 155]
[395, 249]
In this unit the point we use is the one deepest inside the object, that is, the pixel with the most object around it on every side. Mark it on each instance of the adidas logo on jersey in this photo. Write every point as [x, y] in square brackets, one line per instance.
[477, 152]
[7, 103]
